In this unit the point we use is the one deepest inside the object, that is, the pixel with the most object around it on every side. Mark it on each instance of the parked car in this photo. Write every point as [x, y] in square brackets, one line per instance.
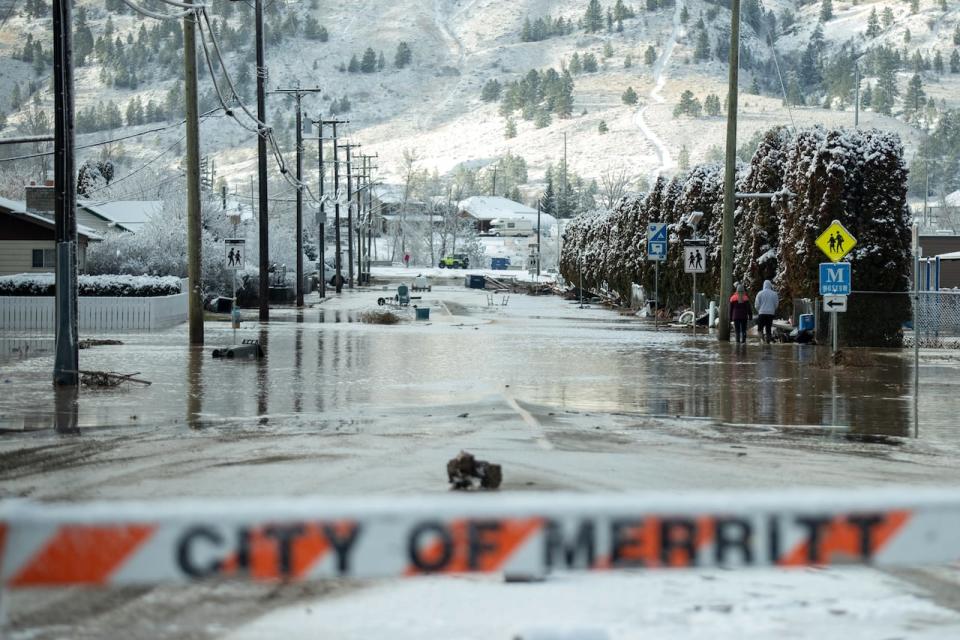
[455, 261]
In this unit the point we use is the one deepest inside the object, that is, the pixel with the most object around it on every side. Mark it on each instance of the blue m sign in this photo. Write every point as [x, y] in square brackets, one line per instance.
[834, 279]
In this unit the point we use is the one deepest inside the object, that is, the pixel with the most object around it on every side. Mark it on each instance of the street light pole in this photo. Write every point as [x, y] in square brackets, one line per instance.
[194, 224]
[729, 182]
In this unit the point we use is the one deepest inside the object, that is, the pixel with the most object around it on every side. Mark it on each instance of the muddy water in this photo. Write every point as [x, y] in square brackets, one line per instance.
[324, 363]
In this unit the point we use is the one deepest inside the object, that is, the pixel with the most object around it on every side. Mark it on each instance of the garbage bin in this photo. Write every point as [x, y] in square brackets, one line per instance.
[475, 282]
[423, 313]
[806, 322]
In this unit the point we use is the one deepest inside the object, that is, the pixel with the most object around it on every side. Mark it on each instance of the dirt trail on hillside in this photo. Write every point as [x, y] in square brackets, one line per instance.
[664, 159]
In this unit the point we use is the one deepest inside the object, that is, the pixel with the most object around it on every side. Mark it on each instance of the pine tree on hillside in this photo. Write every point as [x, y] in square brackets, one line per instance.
[602, 127]
[609, 21]
[683, 159]
[629, 96]
[826, 11]
[510, 130]
[491, 91]
[354, 65]
[955, 62]
[576, 67]
[873, 24]
[590, 63]
[688, 105]
[650, 56]
[914, 6]
[403, 57]
[368, 64]
[593, 18]
[607, 49]
[702, 50]
[938, 63]
[887, 17]
[563, 97]
[542, 119]
[711, 104]
[956, 35]
[381, 62]
[627, 61]
[866, 97]
[684, 15]
[915, 98]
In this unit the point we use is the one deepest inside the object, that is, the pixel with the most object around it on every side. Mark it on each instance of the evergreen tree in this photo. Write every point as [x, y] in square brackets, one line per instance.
[491, 91]
[873, 24]
[938, 63]
[542, 119]
[576, 66]
[354, 65]
[866, 97]
[711, 104]
[702, 50]
[607, 49]
[403, 57]
[684, 15]
[590, 63]
[629, 96]
[526, 31]
[381, 62]
[826, 10]
[956, 35]
[368, 64]
[683, 159]
[887, 18]
[621, 11]
[602, 127]
[82, 38]
[628, 61]
[510, 131]
[907, 36]
[609, 21]
[955, 62]
[650, 56]
[914, 6]
[563, 104]
[688, 105]
[593, 18]
[794, 93]
[915, 98]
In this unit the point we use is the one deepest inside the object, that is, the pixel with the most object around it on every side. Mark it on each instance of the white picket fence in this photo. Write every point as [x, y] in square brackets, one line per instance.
[37, 314]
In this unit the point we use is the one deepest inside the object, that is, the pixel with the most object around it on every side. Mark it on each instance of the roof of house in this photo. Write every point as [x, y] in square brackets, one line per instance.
[129, 215]
[953, 199]
[19, 208]
[491, 207]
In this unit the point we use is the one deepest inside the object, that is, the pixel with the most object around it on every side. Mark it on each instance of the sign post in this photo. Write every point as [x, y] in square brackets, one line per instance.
[835, 242]
[656, 251]
[234, 256]
[694, 262]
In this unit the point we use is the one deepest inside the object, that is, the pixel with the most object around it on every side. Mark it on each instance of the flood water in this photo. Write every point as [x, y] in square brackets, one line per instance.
[323, 362]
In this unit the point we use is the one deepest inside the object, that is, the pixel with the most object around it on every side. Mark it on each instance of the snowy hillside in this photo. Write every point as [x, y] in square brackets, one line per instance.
[433, 106]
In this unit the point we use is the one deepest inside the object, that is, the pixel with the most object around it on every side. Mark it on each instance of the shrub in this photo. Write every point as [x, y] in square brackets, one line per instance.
[108, 286]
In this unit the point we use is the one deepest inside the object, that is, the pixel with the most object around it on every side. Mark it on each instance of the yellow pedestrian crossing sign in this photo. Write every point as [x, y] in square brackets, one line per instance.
[836, 242]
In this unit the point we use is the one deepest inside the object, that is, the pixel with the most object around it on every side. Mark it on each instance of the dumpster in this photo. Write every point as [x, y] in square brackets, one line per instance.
[500, 264]
[475, 282]
[423, 313]
[806, 322]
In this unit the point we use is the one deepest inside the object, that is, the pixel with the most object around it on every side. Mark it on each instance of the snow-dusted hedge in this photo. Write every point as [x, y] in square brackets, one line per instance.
[112, 286]
[857, 177]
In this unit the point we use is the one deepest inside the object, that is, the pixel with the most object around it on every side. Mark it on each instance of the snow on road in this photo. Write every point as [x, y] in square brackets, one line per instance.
[694, 605]
[659, 81]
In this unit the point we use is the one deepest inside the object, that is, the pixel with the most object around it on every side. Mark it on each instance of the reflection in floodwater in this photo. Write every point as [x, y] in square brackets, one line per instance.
[66, 409]
[330, 367]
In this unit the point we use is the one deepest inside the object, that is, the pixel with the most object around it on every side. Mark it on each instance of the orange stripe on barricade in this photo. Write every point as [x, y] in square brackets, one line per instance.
[79, 554]
[475, 545]
[266, 562]
[643, 545]
[844, 540]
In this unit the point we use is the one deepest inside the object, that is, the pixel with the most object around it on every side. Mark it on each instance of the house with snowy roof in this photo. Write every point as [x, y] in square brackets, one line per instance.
[483, 210]
[120, 215]
[27, 240]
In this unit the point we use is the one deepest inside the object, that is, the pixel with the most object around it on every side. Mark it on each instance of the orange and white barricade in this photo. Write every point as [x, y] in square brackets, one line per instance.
[108, 543]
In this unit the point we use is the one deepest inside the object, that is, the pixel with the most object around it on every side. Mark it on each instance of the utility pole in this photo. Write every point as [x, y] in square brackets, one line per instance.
[348, 147]
[557, 209]
[264, 248]
[538, 239]
[67, 358]
[194, 242]
[493, 191]
[729, 181]
[298, 93]
[336, 208]
[856, 109]
[322, 221]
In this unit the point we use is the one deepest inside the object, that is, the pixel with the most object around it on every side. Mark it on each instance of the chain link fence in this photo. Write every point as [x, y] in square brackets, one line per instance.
[938, 319]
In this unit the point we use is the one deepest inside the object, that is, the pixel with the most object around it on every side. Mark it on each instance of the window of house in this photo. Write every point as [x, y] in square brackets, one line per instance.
[44, 258]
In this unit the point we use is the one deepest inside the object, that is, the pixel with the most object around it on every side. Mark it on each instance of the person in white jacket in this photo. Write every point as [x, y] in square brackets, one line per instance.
[767, 301]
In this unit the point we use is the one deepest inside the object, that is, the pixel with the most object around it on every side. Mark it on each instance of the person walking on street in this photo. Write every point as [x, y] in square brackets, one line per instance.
[767, 301]
[740, 312]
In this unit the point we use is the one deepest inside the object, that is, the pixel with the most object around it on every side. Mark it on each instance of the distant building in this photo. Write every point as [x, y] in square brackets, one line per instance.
[482, 210]
[27, 241]
[101, 217]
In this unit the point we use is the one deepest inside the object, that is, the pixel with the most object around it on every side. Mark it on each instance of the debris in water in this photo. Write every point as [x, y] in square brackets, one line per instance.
[86, 343]
[466, 472]
[108, 378]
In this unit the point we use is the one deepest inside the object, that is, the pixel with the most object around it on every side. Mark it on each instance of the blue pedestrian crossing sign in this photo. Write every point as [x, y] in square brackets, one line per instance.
[835, 278]
[657, 241]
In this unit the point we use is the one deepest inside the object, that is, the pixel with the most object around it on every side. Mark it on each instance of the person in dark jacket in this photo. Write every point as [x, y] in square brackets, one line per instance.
[740, 312]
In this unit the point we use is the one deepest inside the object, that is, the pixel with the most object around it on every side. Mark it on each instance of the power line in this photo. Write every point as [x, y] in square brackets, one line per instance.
[140, 168]
[112, 140]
